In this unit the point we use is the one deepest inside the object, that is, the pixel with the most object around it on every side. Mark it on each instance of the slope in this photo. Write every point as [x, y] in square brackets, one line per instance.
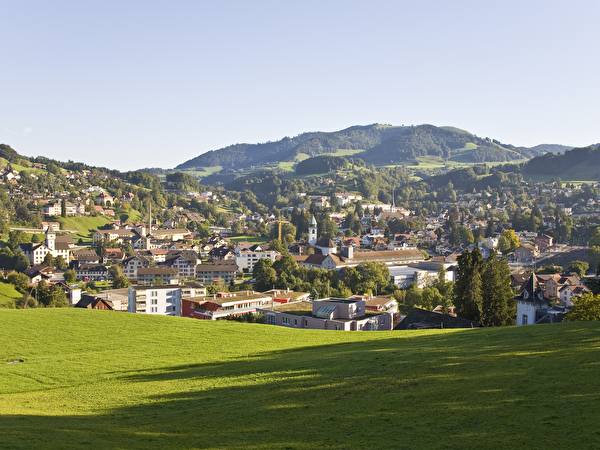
[112, 380]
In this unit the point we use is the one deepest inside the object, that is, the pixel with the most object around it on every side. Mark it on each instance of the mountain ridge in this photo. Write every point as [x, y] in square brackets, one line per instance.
[377, 144]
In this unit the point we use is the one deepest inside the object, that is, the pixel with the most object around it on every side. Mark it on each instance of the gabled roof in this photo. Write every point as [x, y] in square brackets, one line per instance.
[420, 318]
[325, 242]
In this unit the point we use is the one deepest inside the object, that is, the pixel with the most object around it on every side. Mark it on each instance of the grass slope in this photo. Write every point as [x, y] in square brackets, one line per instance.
[114, 380]
[8, 295]
[85, 226]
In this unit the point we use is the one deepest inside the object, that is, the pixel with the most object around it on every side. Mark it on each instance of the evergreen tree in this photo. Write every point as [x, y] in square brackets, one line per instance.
[468, 287]
[498, 306]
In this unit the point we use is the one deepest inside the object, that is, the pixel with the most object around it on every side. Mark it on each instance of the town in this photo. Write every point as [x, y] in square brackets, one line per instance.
[331, 259]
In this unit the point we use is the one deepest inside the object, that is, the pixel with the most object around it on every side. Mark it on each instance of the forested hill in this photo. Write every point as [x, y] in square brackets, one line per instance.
[578, 159]
[382, 144]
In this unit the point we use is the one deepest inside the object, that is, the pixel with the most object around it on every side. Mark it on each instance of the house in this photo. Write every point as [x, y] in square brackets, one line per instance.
[113, 255]
[56, 246]
[532, 303]
[526, 251]
[219, 272]
[133, 263]
[93, 302]
[84, 257]
[118, 236]
[221, 254]
[247, 257]
[149, 275]
[91, 272]
[328, 314]
[419, 319]
[544, 242]
[185, 261]
[159, 299]
[39, 272]
[568, 292]
[224, 304]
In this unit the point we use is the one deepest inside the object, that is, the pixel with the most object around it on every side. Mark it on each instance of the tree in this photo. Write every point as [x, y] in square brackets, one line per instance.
[120, 282]
[498, 306]
[466, 235]
[595, 238]
[579, 267]
[60, 263]
[467, 289]
[508, 242]
[70, 276]
[587, 307]
[264, 274]
[49, 260]
[57, 298]
[19, 280]
[593, 255]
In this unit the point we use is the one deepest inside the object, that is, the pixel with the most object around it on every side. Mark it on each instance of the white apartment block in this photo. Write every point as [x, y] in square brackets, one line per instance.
[164, 300]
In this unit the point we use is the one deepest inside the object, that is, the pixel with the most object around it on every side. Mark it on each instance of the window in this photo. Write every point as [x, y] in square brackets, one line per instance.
[295, 322]
[286, 320]
[525, 317]
[153, 301]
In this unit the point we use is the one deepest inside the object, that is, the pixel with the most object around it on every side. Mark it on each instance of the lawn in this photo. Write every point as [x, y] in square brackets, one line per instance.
[115, 380]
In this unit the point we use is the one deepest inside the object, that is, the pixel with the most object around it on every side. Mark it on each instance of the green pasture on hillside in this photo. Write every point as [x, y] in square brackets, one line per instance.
[8, 295]
[84, 225]
[74, 378]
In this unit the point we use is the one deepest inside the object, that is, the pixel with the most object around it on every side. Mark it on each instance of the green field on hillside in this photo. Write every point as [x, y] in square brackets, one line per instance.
[8, 295]
[74, 378]
[84, 225]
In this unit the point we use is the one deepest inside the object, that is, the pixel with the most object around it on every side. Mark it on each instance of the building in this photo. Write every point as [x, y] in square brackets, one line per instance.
[246, 258]
[329, 314]
[224, 304]
[56, 246]
[219, 272]
[162, 300]
[149, 275]
[91, 272]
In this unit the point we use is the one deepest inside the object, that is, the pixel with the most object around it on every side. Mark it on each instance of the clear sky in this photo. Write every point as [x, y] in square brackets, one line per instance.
[153, 83]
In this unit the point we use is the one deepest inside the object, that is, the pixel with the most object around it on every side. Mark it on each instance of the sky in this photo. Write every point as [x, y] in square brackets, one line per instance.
[133, 84]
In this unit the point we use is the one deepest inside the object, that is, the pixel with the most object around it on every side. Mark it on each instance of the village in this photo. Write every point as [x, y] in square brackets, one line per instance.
[167, 268]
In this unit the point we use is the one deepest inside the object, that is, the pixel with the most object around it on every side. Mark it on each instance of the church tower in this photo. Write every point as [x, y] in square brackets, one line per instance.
[50, 239]
[312, 231]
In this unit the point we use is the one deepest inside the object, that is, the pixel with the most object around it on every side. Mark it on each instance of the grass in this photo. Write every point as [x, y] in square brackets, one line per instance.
[8, 295]
[115, 380]
[251, 239]
[84, 225]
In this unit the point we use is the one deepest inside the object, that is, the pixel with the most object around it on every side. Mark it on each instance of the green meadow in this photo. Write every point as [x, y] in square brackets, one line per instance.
[76, 378]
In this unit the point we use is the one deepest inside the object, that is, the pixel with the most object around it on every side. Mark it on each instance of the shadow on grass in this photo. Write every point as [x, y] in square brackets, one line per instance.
[535, 387]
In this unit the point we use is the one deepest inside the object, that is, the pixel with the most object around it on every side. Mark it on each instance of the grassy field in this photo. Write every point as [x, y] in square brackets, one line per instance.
[251, 239]
[8, 295]
[85, 226]
[114, 380]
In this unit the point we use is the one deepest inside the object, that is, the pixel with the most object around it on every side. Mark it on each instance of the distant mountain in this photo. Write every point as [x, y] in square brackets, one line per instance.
[381, 144]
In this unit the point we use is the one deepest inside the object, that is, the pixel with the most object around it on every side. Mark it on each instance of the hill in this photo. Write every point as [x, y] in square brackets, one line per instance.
[576, 164]
[376, 144]
[112, 380]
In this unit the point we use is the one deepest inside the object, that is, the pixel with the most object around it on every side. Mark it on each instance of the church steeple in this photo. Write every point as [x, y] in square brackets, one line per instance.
[50, 238]
[312, 231]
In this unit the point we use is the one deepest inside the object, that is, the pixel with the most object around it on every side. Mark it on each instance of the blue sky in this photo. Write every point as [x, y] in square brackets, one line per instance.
[132, 84]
